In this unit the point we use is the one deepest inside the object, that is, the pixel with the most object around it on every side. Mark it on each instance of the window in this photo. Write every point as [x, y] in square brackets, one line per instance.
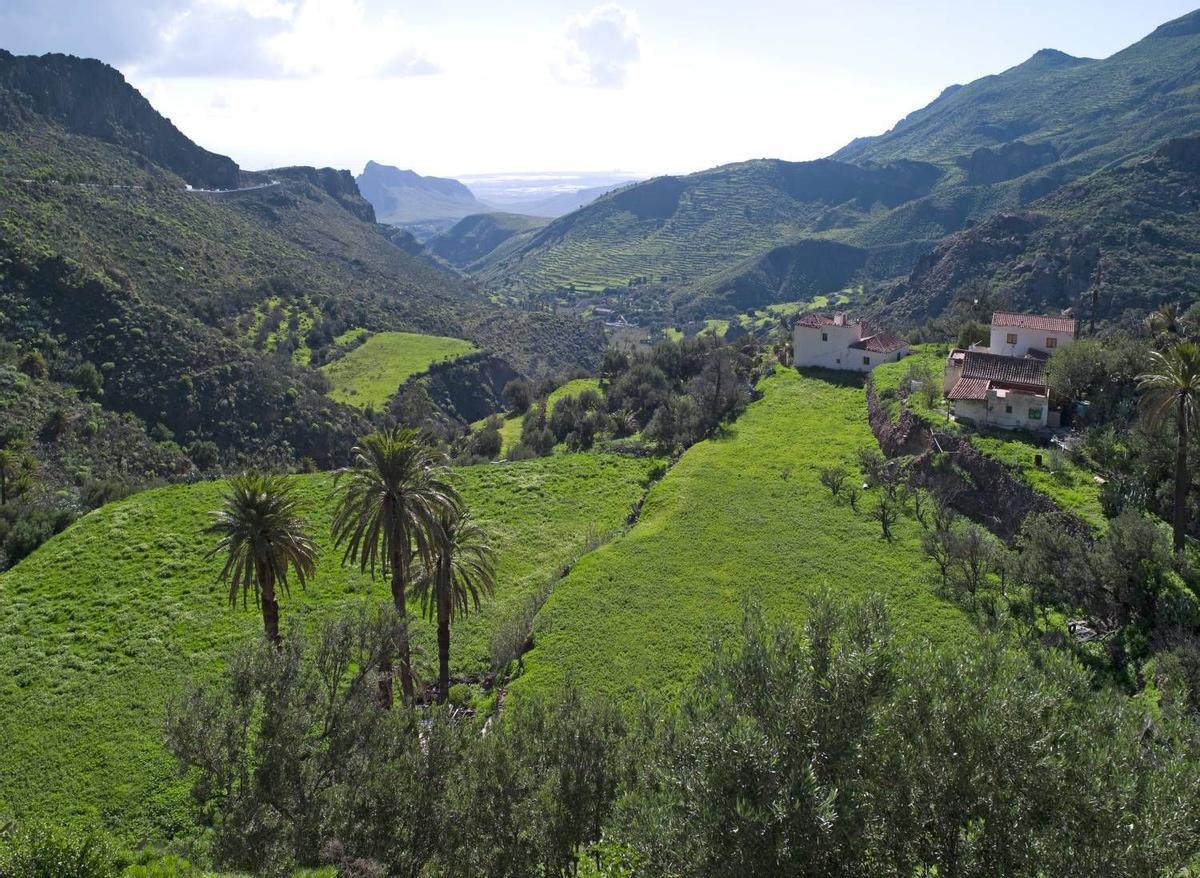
[1051, 342]
[824, 336]
[1008, 410]
[866, 361]
[1012, 338]
[1035, 414]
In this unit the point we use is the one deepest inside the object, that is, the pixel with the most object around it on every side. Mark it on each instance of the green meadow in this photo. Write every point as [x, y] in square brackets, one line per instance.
[738, 516]
[372, 372]
[104, 622]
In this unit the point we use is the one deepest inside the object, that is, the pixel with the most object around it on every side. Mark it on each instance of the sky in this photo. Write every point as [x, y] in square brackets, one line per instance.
[483, 86]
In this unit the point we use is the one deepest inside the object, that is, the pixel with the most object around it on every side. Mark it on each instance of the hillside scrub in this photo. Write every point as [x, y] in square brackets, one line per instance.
[673, 395]
[819, 750]
[89, 653]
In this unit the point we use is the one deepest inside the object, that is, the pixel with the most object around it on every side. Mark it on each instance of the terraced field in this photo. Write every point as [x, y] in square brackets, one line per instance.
[102, 623]
[372, 372]
[737, 516]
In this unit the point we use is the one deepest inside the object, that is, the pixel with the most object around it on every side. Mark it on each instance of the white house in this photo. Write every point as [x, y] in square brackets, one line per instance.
[990, 390]
[1004, 384]
[1016, 335]
[841, 342]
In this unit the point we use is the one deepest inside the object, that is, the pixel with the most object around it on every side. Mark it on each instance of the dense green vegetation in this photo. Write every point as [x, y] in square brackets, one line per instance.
[740, 514]
[371, 373]
[817, 751]
[90, 652]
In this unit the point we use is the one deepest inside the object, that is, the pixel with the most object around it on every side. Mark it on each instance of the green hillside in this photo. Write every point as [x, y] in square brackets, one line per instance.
[745, 235]
[477, 237]
[208, 307]
[105, 621]
[670, 232]
[371, 373]
[736, 516]
[1130, 231]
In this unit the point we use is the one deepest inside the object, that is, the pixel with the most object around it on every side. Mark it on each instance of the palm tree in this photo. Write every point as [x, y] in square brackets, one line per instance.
[463, 569]
[1164, 321]
[262, 536]
[1173, 385]
[390, 502]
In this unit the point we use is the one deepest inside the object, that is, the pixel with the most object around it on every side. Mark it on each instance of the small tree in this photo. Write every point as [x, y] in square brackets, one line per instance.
[886, 511]
[872, 463]
[833, 478]
[518, 393]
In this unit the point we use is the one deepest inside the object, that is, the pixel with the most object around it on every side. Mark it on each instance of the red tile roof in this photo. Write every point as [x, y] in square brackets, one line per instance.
[814, 320]
[969, 388]
[1034, 321]
[880, 343]
[1010, 370]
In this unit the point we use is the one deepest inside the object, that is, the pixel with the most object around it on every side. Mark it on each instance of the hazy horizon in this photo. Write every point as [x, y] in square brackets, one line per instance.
[630, 89]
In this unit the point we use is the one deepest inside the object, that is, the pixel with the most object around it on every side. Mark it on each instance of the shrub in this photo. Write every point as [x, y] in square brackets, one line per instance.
[518, 393]
[44, 851]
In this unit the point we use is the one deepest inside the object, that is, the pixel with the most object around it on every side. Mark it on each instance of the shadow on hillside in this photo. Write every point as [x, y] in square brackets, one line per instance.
[837, 377]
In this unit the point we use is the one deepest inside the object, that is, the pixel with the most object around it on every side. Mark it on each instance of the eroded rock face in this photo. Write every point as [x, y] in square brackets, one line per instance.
[88, 97]
[1015, 159]
[1182, 153]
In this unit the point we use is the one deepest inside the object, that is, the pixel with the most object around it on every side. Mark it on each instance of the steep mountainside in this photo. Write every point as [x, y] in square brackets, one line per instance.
[105, 256]
[476, 237]
[709, 242]
[90, 98]
[400, 196]
[1129, 234]
[1054, 108]
[672, 232]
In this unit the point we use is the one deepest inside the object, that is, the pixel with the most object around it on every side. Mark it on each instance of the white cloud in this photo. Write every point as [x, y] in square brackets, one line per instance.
[335, 37]
[600, 46]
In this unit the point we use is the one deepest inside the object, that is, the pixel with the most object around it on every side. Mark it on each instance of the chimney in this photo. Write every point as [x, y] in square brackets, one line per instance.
[839, 318]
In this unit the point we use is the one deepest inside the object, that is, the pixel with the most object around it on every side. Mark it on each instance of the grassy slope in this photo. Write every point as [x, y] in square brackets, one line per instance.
[372, 372]
[102, 623]
[740, 515]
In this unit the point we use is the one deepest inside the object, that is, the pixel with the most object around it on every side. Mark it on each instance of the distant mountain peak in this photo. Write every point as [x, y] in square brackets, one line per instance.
[400, 195]
[1044, 59]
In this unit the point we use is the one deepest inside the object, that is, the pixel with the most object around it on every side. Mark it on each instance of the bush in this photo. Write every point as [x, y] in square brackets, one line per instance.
[43, 851]
[518, 393]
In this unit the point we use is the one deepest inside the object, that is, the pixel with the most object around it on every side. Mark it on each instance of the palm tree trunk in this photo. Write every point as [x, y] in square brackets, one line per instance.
[270, 606]
[443, 600]
[400, 597]
[1181, 477]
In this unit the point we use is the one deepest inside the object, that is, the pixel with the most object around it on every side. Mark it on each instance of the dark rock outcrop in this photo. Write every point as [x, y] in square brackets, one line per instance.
[88, 97]
[1015, 159]
[1182, 153]
[339, 185]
